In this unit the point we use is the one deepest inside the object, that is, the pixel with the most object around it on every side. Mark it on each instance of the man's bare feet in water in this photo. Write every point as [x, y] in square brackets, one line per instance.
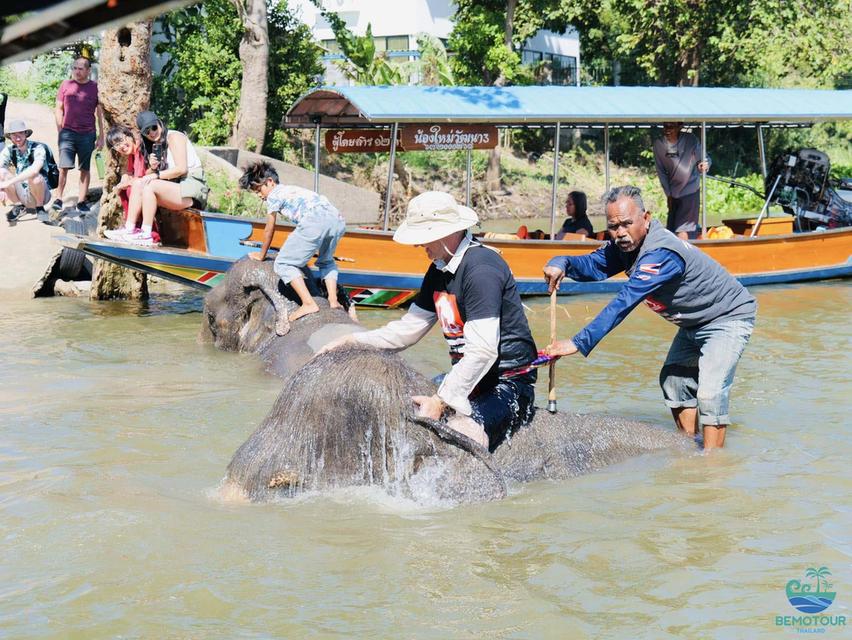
[304, 310]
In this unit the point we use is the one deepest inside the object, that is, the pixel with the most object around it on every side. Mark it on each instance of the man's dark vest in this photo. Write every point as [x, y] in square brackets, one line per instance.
[704, 293]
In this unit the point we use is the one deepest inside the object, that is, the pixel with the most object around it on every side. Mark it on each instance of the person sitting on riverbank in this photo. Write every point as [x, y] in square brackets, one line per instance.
[23, 172]
[319, 228]
[127, 145]
[174, 179]
[685, 286]
[577, 221]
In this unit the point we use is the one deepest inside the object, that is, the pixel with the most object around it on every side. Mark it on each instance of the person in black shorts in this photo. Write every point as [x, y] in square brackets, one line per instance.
[79, 123]
[470, 290]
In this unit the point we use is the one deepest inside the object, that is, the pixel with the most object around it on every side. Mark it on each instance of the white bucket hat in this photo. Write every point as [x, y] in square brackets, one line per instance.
[434, 215]
[17, 126]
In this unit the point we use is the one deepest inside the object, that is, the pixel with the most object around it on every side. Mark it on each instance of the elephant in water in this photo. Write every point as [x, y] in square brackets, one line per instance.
[347, 418]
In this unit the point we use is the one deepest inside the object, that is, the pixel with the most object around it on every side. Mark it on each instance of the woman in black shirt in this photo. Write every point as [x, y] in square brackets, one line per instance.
[577, 220]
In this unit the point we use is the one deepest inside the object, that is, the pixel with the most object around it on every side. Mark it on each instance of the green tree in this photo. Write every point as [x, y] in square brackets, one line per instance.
[199, 87]
[727, 42]
[250, 125]
[361, 62]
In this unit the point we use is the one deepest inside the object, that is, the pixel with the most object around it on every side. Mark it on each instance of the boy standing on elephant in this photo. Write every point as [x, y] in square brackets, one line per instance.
[470, 290]
[319, 227]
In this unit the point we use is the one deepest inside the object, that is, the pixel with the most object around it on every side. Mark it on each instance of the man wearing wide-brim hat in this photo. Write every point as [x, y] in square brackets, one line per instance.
[22, 167]
[470, 290]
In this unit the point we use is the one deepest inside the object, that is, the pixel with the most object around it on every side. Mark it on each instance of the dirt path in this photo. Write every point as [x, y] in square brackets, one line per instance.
[27, 246]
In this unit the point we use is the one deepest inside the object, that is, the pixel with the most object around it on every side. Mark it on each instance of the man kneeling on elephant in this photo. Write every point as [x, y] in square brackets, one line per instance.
[471, 291]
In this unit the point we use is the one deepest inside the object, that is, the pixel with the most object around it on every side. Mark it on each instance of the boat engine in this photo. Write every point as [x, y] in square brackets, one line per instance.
[805, 190]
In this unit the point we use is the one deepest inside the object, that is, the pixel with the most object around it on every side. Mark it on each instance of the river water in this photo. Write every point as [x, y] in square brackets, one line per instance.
[116, 426]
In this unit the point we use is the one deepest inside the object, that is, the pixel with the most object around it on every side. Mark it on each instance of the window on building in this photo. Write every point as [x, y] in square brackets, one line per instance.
[331, 46]
[397, 43]
[560, 69]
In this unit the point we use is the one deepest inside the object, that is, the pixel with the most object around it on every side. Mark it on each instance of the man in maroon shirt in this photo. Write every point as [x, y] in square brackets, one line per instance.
[77, 107]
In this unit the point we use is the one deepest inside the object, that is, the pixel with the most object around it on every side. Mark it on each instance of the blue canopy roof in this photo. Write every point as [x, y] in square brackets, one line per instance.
[348, 106]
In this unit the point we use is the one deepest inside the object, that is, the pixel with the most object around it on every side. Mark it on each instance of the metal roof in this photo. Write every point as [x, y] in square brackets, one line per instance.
[530, 105]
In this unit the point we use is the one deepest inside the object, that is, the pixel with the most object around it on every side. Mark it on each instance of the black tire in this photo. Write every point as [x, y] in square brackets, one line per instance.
[70, 264]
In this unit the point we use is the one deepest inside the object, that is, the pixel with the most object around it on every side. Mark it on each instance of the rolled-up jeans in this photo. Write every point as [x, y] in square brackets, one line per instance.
[699, 368]
[318, 233]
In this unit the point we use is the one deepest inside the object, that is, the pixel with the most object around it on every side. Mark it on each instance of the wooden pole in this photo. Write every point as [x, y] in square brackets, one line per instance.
[317, 158]
[551, 383]
[553, 194]
[703, 181]
[394, 130]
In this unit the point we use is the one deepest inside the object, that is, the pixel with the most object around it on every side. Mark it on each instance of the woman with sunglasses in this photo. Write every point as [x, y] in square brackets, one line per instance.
[174, 179]
[127, 144]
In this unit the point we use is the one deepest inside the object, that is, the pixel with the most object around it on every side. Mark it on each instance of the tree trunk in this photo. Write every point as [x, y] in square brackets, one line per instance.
[493, 173]
[124, 87]
[250, 126]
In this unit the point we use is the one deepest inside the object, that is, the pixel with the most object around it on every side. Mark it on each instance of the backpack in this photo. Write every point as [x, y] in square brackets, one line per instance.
[50, 171]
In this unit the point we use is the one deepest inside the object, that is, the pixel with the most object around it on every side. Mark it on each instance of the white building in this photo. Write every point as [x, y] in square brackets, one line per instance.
[395, 25]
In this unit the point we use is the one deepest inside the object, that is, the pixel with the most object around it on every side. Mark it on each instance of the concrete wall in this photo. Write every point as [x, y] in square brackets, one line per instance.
[358, 206]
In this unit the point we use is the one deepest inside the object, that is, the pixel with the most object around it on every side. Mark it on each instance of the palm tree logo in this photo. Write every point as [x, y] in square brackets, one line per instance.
[818, 574]
[804, 598]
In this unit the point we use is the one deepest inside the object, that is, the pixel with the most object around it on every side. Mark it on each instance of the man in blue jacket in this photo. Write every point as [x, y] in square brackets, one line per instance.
[685, 286]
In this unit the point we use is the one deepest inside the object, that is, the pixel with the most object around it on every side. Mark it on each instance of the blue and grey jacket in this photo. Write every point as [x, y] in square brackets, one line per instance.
[674, 278]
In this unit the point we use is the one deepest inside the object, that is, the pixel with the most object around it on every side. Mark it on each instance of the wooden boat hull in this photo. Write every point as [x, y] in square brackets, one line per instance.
[379, 272]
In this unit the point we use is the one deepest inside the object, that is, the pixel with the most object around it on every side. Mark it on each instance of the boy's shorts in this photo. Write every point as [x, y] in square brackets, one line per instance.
[318, 233]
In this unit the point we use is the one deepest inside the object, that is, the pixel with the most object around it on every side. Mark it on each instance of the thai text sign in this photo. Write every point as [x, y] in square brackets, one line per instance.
[357, 140]
[446, 137]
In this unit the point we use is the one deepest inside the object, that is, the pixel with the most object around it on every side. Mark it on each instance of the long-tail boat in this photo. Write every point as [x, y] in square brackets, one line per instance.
[198, 247]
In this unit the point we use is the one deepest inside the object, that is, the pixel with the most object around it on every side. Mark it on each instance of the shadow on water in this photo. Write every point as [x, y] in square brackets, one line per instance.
[157, 305]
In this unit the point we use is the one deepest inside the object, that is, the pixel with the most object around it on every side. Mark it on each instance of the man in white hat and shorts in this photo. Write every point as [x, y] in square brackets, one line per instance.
[23, 164]
[470, 290]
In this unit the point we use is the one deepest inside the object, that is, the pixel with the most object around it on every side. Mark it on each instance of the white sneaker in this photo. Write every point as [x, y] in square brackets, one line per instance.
[141, 240]
[116, 234]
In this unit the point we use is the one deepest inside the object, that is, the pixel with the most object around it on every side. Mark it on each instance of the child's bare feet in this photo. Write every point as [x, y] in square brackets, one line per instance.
[334, 304]
[304, 310]
[352, 313]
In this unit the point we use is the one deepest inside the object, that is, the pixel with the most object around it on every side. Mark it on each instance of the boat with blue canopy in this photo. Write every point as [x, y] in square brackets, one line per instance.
[812, 241]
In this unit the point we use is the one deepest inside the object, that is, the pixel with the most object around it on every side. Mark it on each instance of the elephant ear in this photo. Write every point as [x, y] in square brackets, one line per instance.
[453, 437]
[454, 477]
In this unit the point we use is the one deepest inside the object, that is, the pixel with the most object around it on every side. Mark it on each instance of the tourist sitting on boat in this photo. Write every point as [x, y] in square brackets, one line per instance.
[174, 180]
[678, 158]
[685, 286]
[127, 144]
[470, 290]
[24, 172]
[577, 221]
[319, 227]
